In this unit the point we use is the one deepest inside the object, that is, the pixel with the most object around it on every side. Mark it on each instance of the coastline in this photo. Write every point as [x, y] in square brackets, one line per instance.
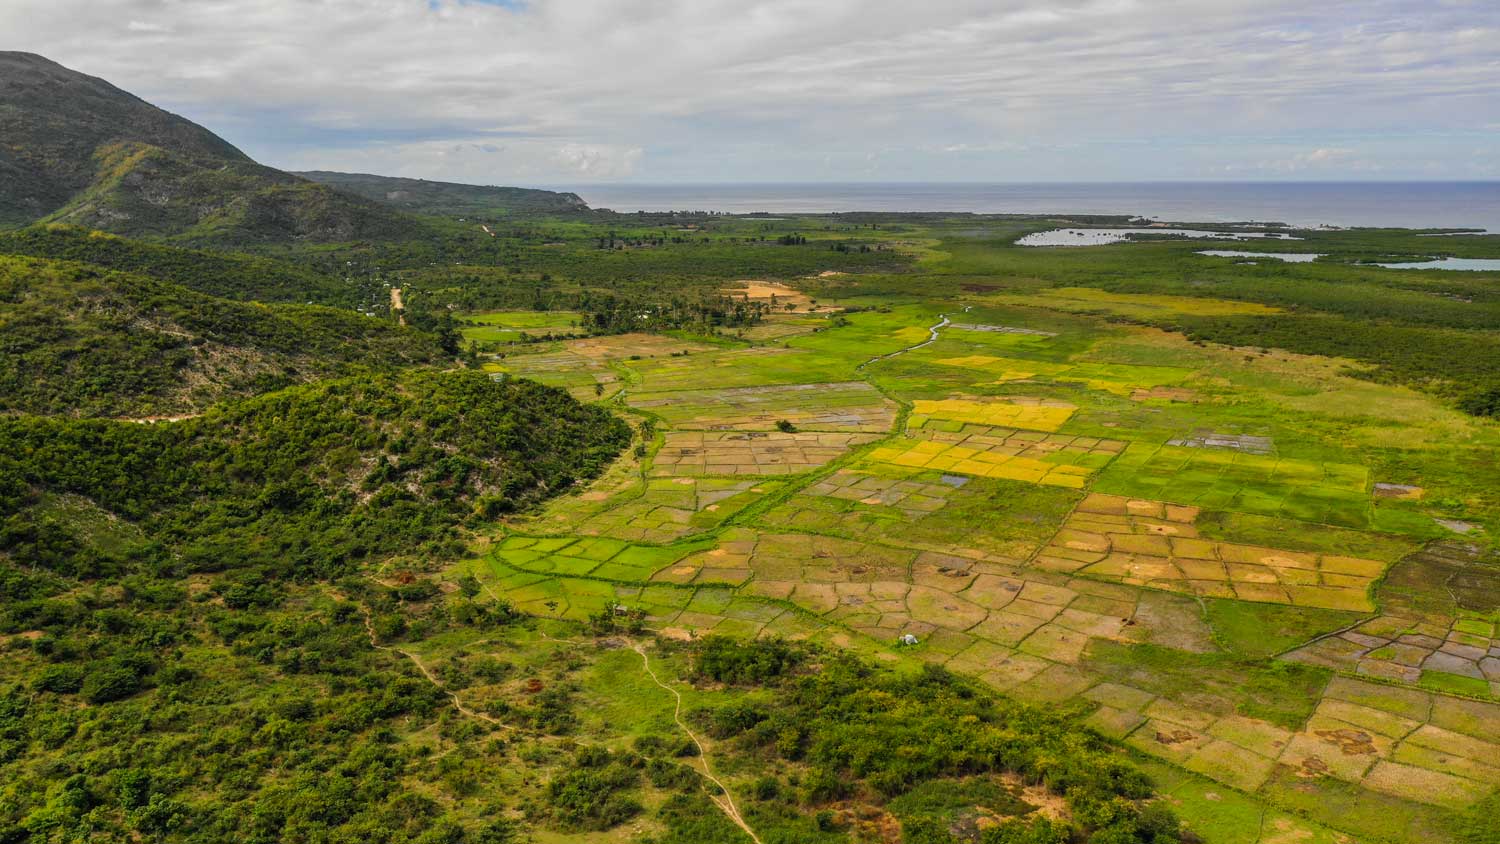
[1423, 205]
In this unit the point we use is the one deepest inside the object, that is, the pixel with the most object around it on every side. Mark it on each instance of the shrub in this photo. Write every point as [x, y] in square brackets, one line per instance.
[61, 679]
[728, 660]
[110, 682]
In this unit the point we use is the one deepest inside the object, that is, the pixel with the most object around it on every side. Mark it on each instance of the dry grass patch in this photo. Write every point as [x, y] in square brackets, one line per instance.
[777, 295]
[616, 346]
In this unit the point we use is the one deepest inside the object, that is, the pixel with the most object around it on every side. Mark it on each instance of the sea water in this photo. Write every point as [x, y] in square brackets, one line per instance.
[1370, 204]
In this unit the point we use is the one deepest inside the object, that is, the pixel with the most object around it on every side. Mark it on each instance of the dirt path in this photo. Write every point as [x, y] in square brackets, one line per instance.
[151, 420]
[398, 305]
[431, 678]
[725, 802]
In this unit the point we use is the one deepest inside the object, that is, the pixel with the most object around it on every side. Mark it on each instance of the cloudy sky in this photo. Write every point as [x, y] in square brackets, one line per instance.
[585, 91]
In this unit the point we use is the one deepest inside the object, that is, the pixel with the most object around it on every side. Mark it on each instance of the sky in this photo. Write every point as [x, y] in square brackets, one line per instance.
[548, 92]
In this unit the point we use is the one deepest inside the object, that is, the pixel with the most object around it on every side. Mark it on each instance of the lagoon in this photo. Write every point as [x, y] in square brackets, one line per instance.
[1099, 237]
[1289, 257]
[1467, 264]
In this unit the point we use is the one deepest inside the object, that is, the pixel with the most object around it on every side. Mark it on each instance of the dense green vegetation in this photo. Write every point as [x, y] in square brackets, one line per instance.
[185, 714]
[914, 741]
[181, 664]
[84, 341]
[308, 482]
[425, 197]
[227, 275]
[150, 707]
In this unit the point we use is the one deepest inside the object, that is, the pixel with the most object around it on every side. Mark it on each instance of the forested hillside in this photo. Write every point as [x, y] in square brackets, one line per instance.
[54, 119]
[179, 663]
[224, 274]
[306, 482]
[148, 191]
[427, 197]
[85, 341]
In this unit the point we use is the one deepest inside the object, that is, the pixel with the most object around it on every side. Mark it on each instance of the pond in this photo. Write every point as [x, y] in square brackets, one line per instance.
[1469, 264]
[1289, 257]
[1099, 237]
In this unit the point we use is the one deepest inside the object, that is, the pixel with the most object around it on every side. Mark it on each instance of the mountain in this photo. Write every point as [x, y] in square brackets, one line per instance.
[424, 197]
[80, 340]
[227, 274]
[53, 120]
[76, 149]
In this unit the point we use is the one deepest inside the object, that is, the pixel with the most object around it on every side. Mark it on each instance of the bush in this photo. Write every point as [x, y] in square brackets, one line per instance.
[766, 788]
[1481, 403]
[61, 679]
[110, 682]
[728, 660]
[593, 798]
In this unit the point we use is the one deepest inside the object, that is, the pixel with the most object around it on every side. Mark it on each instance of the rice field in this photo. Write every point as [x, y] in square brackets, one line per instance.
[1154, 544]
[1181, 542]
[847, 406]
[702, 453]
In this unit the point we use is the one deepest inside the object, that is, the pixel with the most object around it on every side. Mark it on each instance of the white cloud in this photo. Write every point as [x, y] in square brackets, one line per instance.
[783, 89]
[599, 160]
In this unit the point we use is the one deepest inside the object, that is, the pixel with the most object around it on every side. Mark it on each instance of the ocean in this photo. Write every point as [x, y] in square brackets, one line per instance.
[1377, 204]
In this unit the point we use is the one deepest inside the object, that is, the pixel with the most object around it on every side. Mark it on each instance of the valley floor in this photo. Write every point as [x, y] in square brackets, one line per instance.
[1186, 543]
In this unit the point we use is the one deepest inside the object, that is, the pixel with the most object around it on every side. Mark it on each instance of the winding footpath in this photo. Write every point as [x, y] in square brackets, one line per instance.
[724, 802]
[431, 678]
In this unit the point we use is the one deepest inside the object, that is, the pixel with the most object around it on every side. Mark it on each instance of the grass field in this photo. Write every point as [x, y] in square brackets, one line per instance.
[507, 326]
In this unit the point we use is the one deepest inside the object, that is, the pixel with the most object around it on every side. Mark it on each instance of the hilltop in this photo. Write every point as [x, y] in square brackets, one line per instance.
[427, 197]
[80, 150]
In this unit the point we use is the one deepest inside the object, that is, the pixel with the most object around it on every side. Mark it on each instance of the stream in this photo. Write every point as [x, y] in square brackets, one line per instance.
[932, 335]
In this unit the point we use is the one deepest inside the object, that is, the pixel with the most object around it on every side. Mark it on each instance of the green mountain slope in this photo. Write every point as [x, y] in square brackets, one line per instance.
[74, 148]
[426, 197]
[76, 339]
[52, 120]
[232, 276]
[349, 471]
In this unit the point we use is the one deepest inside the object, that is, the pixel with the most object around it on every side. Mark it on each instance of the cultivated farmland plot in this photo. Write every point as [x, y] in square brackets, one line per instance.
[1252, 586]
